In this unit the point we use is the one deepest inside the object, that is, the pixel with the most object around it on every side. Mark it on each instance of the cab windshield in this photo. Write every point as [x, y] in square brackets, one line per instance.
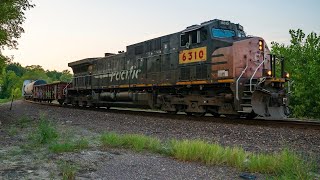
[222, 33]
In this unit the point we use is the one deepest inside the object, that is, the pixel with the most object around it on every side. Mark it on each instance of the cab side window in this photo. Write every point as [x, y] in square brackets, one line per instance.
[184, 39]
[193, 37]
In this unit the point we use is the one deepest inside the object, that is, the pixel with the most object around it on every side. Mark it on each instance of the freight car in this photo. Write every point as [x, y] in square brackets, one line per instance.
[50, 92]
[40, 91]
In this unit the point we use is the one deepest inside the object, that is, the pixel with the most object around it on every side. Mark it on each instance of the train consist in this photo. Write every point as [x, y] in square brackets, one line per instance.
[212, 68]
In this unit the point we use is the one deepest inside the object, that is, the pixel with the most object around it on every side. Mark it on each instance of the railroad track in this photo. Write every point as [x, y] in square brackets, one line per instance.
[284, 123]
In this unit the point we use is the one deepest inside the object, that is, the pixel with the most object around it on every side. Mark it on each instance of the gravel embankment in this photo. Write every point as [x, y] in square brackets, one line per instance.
[147, 166]
[250, 137]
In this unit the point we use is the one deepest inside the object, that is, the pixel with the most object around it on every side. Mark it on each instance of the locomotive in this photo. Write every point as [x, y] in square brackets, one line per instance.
[212, 67]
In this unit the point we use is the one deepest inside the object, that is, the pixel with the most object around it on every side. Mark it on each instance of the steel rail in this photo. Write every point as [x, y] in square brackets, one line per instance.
[275, 123]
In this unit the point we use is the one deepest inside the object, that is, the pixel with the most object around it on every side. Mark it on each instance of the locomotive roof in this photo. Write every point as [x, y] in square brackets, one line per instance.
[83, 61]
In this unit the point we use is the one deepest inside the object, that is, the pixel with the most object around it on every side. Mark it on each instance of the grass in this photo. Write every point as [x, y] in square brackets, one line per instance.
[45, 132]
[68, 170]
[16, 151]
[12, 131]
[69, 146]
[283, 165]
[210, 154]
[24, 122]
[4, 100]
[131, 141]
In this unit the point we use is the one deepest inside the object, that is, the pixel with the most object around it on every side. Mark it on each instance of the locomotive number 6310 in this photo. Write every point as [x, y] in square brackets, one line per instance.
[193, 55]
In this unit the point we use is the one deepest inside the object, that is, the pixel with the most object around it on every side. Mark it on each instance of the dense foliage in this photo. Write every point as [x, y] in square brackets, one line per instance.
[11, 19]
[14, 75]
[303, 63]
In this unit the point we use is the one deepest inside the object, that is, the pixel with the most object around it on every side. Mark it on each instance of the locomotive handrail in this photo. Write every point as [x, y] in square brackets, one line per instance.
[237, 83]
[255, 73]
[64, 89]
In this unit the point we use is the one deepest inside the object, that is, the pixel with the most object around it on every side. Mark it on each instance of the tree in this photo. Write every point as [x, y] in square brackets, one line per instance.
[66, 76]
[11, 82]
[35, 72]
[11, 19]
[303, 63]
[16, 68]
[54, 75]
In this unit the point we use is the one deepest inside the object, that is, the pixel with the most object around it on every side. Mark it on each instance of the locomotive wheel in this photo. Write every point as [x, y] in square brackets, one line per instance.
[232, 116]
[172, 112]
[60, 101]
[199, 114]
[251, 115]
[84, 104]
[215, 115]
[189, 113]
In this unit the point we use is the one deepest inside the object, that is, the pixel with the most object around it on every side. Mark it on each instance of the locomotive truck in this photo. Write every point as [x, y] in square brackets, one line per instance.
[213, 67]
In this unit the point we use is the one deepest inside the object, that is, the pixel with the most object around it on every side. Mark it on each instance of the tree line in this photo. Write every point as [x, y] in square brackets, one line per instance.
[303, 63]
[14, 74]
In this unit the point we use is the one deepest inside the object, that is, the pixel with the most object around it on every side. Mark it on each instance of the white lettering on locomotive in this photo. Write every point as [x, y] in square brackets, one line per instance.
[132, 73]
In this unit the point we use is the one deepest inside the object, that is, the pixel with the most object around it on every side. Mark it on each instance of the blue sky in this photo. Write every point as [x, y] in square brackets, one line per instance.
[61, 31]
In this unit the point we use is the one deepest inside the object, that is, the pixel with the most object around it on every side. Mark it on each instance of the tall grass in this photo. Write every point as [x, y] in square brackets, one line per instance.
[283, 165]
[132, 141]
[45, 132]
[210, 154]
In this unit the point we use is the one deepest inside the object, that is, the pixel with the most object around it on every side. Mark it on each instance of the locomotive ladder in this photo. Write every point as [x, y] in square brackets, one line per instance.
[237, 83]
[246, 106]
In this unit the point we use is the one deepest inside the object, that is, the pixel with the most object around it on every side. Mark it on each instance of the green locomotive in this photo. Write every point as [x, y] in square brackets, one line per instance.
[212, 68]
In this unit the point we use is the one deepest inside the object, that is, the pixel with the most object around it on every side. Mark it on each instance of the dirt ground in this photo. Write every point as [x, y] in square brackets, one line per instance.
[19, 161]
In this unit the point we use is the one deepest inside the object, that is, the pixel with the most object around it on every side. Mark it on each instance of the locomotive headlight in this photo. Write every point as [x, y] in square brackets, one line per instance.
[260, 45]
[269, 72]
[287, 75]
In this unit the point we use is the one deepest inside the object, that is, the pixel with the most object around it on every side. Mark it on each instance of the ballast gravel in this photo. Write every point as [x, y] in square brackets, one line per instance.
[130, 165]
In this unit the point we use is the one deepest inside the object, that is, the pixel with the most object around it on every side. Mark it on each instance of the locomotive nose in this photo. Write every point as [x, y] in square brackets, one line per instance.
[272, 105]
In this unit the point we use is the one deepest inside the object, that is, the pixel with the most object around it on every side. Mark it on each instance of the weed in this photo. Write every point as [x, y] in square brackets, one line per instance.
[45, 132]
[68, 170]
[24, 122]
[12, 131]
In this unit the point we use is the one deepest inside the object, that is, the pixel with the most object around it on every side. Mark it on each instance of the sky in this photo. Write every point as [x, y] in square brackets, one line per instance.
[61, 31]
